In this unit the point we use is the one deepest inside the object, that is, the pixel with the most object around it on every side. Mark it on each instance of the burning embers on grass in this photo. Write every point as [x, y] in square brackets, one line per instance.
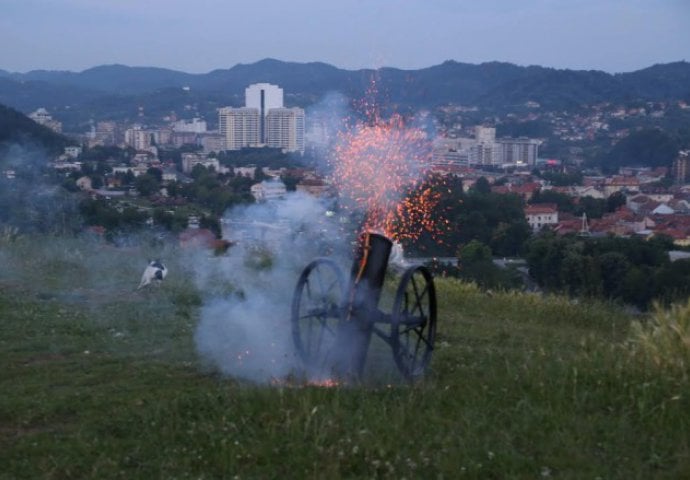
[381, 168]
[301, 383]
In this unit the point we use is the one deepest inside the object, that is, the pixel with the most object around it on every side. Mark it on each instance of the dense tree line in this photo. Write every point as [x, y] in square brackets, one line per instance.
[649, 147]
[259, 157]
[495, 220]
[631, 270]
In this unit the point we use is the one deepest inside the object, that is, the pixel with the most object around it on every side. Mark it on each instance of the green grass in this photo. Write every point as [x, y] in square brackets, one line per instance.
[100, 384]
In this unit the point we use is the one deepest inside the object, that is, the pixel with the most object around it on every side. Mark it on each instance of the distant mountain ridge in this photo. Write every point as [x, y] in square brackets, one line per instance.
[486, 84]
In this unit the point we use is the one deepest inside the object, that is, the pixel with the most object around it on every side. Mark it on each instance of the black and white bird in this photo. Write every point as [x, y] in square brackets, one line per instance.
[155, 271]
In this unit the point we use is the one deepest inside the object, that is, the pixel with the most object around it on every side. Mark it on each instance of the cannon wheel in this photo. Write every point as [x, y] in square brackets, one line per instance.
[316, 311]
[413, 322]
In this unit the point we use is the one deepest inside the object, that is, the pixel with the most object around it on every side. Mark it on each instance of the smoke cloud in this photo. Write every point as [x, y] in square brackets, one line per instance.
[244, 330]
[31, 200]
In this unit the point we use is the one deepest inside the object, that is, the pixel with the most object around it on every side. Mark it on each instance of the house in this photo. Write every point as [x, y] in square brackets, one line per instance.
[525, 190]
[540, 215]
[312, 186]
[589, 191]
[663, 209]
[620, 183]
[268, 190]
[190, 160]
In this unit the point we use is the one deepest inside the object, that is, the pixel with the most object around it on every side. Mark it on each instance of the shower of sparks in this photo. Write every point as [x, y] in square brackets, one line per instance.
[381, 168]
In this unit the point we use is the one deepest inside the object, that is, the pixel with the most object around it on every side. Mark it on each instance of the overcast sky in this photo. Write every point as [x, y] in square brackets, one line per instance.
[202, 35]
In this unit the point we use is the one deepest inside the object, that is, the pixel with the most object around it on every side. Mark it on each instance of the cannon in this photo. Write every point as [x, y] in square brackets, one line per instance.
[333, 321]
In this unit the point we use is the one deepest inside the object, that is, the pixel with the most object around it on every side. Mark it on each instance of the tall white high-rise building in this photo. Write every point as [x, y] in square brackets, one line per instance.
[239, 127]
[138, 138]
[263, 121]
[263, 97]
[285, 129]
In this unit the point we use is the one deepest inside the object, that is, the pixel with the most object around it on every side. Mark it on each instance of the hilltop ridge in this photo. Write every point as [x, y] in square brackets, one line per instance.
[484, 84]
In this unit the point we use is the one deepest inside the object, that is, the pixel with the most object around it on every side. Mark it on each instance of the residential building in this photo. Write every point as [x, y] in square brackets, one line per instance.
[263, 97]
[190, 160]
[195, 125]
[313, 186]
[42, 117]
[138, 138]
[212, 142]
[183, 138]
[621, 183]
[681, 166]
[485, 151]
[263, 121]
[285, 129]
[484, 134]
[268, 190]
[540, 215]
[107, 133]
[239, 127]
[451, 151]
[519, 151]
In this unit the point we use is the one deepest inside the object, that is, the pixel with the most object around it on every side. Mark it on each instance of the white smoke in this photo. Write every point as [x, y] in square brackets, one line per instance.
[244, 330]
[31, 199]
[326, 120]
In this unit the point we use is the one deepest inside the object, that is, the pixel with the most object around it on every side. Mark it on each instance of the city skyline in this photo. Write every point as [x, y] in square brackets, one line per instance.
[610, 35]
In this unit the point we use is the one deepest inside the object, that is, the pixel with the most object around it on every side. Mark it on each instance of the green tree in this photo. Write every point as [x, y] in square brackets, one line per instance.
[644, 148]
[507, 239]
[146, 184]
[614, 268]
[482, 186]
[615, 201]
[156, 173]
[474, 251]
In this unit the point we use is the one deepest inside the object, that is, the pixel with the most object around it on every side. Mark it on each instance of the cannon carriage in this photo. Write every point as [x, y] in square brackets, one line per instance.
[333, 320]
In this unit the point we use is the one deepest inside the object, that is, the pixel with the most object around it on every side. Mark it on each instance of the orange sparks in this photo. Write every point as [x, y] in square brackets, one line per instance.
[380, 169]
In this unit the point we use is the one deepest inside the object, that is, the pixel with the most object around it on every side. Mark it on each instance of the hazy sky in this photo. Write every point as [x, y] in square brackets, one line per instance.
[202, 35]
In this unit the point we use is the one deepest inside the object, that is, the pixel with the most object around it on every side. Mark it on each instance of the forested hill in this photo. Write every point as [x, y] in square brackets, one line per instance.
[15, 127]
[486, 84]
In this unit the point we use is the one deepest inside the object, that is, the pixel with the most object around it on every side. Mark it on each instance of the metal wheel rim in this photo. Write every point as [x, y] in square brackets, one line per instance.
[413, 345]
[316, 310]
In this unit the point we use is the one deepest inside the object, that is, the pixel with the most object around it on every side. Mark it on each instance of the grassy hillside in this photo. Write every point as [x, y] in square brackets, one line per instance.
[99, 381]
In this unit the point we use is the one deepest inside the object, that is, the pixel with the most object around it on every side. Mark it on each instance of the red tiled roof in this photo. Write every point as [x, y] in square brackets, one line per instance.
[542, 208]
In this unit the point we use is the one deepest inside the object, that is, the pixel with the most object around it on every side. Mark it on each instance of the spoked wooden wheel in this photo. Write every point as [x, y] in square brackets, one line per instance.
[413, 322]
[316, 311]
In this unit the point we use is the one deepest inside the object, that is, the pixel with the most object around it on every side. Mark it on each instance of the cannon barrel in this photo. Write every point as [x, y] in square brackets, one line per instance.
[361, 304]
[333, 319]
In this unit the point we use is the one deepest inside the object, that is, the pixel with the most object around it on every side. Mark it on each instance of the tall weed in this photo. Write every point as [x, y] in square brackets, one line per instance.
[665, 339]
